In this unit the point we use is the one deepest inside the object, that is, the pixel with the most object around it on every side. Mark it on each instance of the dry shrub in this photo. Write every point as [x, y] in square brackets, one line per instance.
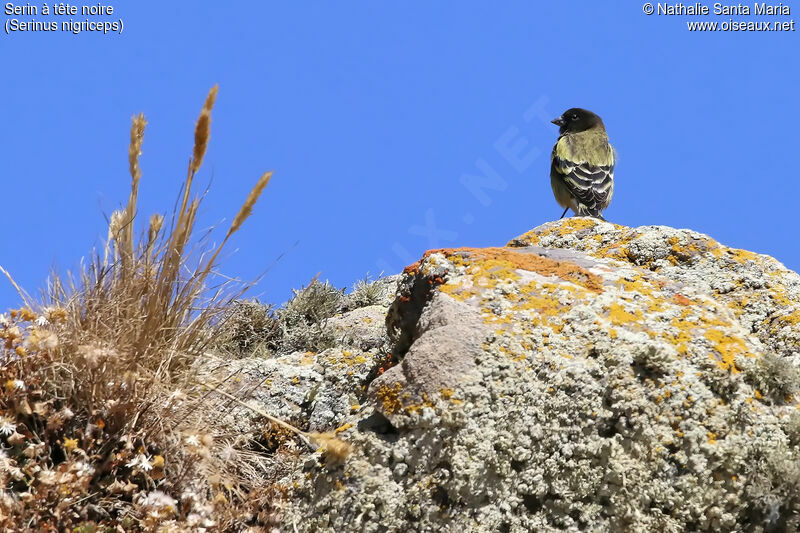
[102, 420]
[249, 328]
[304, 319]
[246, 328]
[365, 293]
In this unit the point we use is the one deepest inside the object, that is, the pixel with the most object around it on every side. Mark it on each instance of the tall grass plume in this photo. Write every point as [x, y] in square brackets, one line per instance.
[102, 421]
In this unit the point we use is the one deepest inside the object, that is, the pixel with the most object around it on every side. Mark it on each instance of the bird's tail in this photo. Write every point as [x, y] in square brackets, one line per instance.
[584, 211]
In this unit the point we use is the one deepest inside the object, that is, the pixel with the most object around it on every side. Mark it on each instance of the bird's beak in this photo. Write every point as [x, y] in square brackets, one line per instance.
[558, 121]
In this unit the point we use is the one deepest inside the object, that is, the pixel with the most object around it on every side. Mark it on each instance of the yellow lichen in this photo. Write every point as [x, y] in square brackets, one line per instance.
[390, 397]
[346, 358]
[619, 316]
[728, 347]
[793, 318]
[573, 225]
[528, 238]
[341, 428]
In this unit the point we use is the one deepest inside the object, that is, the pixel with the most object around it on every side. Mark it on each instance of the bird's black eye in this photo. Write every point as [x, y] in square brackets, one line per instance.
[574, 116]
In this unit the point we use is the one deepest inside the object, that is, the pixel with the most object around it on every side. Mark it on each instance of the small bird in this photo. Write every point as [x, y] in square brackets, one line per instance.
[582, 164]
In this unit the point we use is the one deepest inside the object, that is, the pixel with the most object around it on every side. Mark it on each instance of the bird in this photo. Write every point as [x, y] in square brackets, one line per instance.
[582, 164]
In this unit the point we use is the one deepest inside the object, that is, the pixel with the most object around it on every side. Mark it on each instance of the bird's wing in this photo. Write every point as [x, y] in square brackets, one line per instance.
[591, 185]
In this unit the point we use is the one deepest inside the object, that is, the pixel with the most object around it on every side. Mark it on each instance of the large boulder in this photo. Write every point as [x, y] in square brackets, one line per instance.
[586, 376]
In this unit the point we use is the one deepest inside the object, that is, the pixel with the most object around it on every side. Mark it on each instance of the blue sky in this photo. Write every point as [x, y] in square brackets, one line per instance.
[372, 113]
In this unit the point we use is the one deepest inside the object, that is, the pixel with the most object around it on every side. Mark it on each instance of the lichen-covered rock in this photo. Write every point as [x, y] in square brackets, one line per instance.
[363, 327]
[315, 390]
[585, 377]
[762, 293]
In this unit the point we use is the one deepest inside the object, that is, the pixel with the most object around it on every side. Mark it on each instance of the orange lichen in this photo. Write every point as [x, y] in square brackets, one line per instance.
[514, 260]
[412, 269]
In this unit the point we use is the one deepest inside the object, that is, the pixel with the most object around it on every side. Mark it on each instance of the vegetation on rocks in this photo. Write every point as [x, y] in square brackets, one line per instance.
[104, 419]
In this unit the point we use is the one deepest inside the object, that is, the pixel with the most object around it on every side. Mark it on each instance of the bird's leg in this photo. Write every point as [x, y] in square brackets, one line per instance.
[564, 213]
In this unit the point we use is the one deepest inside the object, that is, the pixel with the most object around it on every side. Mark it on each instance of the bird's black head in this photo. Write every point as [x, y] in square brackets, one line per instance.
[576, 119]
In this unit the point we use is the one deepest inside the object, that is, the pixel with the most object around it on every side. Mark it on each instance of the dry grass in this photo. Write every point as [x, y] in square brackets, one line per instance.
[103, 419]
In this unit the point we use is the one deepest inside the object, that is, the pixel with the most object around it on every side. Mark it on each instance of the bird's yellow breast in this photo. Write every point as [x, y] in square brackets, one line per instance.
[591, 146]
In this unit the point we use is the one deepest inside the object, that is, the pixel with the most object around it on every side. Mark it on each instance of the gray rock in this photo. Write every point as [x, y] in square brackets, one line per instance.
[587, 377]
[444, 355]
[317, 391]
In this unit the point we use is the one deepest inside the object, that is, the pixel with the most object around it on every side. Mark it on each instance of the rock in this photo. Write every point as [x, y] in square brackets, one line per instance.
[315, 390]
[444, 355]
[363, 328]
[762, 293]
[587, 376]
